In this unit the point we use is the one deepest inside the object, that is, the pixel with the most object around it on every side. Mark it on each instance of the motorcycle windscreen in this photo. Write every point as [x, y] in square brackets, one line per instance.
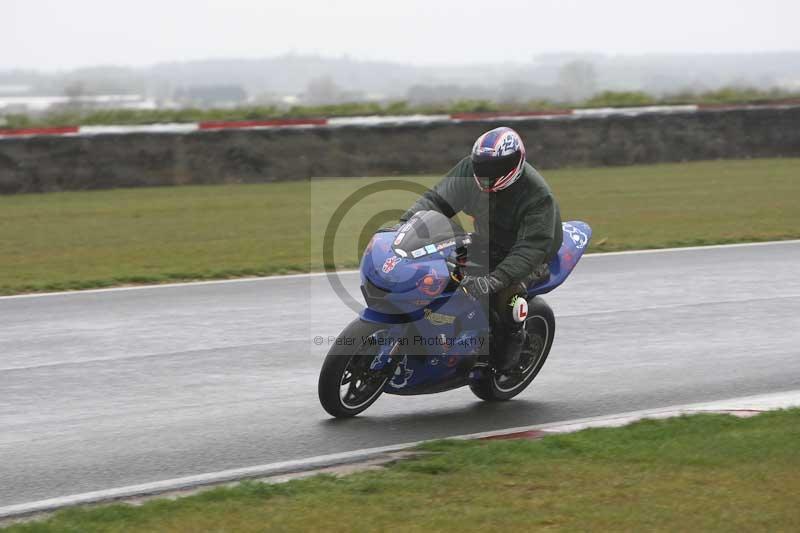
[427, 232]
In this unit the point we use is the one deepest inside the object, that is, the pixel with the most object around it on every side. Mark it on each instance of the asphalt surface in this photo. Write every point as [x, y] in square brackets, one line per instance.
[106, 389]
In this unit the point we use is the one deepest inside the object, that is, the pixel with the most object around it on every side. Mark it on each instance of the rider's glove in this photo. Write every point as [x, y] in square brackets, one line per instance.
[477, 286]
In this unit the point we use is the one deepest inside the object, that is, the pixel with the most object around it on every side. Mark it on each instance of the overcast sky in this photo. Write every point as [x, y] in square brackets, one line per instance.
[59, 34]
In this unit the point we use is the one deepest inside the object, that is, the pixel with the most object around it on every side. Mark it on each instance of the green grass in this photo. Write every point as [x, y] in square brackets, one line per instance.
[699, 473]
[77, 240]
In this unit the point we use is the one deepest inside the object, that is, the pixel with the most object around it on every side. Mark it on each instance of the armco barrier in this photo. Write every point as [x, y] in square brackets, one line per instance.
[100, 157]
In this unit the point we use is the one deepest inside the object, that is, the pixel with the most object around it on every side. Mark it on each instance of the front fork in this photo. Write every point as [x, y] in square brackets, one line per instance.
[386, 361]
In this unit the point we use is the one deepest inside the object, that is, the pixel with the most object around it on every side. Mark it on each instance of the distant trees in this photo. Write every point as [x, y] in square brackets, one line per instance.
[75, 91]
[577, 80]
[212, 96]
[322, 91]
[446, 94]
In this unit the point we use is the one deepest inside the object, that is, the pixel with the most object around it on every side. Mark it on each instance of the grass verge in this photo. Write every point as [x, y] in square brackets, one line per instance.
[80, 240]
[698, 473]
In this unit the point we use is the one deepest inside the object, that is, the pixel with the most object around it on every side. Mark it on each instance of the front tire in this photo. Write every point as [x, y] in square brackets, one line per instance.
[346, 385]
[541, 328]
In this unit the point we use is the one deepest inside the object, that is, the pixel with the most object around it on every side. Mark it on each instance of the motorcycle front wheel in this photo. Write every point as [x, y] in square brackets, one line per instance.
[347, 386]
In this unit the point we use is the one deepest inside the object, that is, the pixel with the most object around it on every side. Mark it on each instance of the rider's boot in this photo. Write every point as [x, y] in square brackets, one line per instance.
[508, 357]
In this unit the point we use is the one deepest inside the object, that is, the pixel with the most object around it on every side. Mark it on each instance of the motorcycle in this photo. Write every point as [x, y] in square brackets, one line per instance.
[421, 334]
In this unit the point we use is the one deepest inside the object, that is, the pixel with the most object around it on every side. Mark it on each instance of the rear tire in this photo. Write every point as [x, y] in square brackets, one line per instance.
[346, 385]
[541, 328]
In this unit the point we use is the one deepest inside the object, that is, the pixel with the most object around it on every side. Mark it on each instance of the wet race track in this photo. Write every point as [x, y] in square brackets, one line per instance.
[112, 388]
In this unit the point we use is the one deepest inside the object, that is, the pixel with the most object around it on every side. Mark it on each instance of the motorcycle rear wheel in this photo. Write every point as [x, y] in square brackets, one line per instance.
[541, 328]
[346, 385]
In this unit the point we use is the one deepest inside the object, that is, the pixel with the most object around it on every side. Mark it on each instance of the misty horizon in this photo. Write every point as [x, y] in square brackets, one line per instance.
[556, 57]
[450, 32]
[291, 79]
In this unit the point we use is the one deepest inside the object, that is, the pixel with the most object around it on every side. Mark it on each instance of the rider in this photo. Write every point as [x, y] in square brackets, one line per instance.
[517, 227]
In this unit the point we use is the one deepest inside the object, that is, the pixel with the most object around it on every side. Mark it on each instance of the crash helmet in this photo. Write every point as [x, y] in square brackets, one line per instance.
[498, 158]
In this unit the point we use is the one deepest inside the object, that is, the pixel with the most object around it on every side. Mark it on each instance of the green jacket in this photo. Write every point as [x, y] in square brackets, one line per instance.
[522, 224]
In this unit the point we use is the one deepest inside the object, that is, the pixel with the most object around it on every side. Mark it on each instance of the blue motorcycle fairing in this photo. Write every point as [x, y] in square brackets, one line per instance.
[401, 277]
[449, 340]
[577, 235]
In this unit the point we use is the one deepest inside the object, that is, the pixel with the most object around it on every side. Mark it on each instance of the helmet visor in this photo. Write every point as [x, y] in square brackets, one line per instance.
[491, 169]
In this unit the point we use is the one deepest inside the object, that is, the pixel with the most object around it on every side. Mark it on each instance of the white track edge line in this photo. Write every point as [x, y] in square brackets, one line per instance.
[758, 402]
[692, 248]
[348, 272]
